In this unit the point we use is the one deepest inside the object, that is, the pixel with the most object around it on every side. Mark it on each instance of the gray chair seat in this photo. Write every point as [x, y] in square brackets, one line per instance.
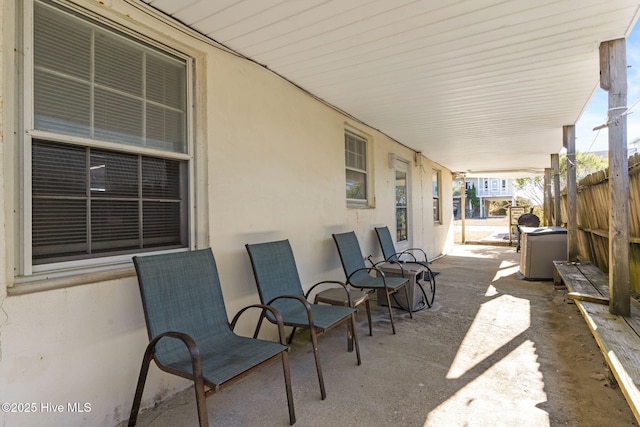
[239, 352]
[324, 317]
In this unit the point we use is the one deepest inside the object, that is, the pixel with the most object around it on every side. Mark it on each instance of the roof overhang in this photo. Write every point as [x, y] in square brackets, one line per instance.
[482, 86]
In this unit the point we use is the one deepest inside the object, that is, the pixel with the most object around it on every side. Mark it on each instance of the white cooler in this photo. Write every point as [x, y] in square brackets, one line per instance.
[539, 247]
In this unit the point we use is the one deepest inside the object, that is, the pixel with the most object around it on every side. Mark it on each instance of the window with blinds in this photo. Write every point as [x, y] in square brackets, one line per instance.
[93, 83]
[356, 168]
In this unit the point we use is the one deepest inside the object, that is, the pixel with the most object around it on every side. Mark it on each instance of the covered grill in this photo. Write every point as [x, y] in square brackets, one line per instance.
[526, 220]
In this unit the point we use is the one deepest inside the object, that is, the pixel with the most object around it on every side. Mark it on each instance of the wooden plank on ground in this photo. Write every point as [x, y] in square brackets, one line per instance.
[596, 277]
[617, 336]
[588, 298]
[620, 345]
[574, 279]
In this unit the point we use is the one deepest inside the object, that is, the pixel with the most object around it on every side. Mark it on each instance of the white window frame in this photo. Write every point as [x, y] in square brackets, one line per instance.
[26, 271]
[366, 202]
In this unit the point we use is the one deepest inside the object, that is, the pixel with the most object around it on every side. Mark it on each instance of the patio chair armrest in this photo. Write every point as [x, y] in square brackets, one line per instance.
[390, 261]
[376, 264]
[302, 300]
[264, 308]
[189, 342]
[368, 270]
[410, 252]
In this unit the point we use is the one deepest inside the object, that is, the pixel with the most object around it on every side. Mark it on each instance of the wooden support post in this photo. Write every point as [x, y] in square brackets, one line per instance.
[613, 78]
[547, 197]
[569, 142]
[555, 166]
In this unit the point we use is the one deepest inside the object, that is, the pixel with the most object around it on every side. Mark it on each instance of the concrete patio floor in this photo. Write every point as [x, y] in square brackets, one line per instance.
[494, 350]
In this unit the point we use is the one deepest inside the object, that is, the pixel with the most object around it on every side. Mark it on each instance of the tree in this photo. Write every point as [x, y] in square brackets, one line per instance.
[456, 187]
[526, 203]
[533, 188]
[472, 197]
[586, 164]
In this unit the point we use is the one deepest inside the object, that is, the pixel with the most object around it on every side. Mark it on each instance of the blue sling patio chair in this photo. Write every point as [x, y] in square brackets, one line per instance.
[189, 332]
[279, 286]
[426, 281]
[359, 275]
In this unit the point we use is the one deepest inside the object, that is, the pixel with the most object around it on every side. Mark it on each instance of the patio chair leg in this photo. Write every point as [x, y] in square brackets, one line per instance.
[201, 398]
[259, 325]
[351, 335]
[198, 383]
[432, 286]
[314, 343]
[287, 383]
[354, 337]
[409, 302]
[427, 287]
[290, 339]
[393, 327]
[142, 378]
[368, 307]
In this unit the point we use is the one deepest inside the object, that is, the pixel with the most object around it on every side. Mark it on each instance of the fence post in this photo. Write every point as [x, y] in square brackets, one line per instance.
[613, 79]
[555, 166]
[569, 142]
[547, 197]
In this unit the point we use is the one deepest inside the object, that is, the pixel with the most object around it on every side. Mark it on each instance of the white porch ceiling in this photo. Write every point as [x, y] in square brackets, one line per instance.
[476, 85]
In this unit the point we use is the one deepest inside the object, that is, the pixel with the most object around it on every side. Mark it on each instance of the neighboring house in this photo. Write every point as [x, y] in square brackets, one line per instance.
[488, 190]
[121, 136]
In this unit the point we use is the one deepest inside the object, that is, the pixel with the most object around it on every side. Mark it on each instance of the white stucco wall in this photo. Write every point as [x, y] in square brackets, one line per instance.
[273, 168]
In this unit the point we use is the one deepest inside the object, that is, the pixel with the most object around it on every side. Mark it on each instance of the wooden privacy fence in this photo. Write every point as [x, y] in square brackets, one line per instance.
[593, 205]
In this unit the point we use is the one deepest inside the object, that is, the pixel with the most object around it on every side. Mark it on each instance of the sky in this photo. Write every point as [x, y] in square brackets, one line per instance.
[596, 112]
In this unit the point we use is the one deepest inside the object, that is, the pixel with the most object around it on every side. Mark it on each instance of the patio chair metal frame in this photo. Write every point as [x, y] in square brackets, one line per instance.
[345, 297]
[359, 275]
[426, 281]
[208, 360]
[275, 270]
